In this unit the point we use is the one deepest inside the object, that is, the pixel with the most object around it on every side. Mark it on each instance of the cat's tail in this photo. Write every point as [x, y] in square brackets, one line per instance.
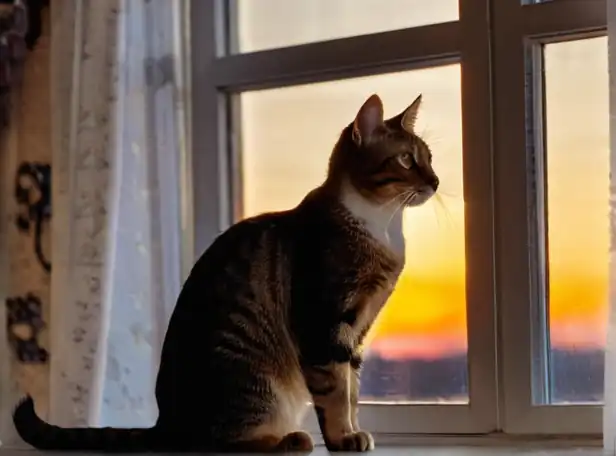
[45, 436]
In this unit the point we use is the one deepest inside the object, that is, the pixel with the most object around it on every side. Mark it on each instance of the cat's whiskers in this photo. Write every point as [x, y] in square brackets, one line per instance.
[447, 194]
[395, 199]
[435, 213]
[409, 196]
[448, 217]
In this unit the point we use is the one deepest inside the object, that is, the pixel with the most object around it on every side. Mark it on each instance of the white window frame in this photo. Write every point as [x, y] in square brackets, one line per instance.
[499, 310]
[519, 149]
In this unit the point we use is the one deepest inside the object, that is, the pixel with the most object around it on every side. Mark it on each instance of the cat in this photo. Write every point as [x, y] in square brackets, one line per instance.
[273, 314]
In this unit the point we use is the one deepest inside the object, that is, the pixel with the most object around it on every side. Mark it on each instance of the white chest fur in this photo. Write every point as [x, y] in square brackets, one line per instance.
[383, 222]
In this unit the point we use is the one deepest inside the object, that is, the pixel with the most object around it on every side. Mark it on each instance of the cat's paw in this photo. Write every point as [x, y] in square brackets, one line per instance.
[299, 441]
[357, 441]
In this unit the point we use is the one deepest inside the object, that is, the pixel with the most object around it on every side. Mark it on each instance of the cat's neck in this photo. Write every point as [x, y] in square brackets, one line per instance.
[383, 222]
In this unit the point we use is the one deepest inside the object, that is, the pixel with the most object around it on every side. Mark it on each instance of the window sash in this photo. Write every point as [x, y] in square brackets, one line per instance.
[517, 31]
[497, 227]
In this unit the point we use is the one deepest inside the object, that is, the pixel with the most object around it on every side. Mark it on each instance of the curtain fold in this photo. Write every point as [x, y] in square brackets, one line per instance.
[101, 117]
[117, 237]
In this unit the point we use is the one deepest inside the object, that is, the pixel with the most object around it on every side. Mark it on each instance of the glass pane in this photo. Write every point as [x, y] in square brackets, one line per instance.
[417, 350]
[268, 24]
[577, 117]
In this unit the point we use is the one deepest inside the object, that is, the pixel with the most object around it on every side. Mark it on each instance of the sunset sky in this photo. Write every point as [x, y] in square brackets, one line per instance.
[288, 134]
[578, 197]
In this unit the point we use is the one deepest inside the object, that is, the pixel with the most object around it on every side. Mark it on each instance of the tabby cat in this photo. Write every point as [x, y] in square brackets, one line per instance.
[273, 314]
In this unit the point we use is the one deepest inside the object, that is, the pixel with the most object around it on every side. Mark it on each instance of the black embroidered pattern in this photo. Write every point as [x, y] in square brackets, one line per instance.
[20, 28]
[24, 323]
[35, 203]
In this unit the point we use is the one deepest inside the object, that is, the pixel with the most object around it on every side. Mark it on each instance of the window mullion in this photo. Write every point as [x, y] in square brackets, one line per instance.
[512, 212]
[210, 211]
[479, 208]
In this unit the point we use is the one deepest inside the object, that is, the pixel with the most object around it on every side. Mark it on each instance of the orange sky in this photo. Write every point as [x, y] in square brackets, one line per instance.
[287, 136]
[578, 193]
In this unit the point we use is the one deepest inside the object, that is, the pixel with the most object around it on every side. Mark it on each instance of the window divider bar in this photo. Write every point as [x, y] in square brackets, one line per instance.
[514, 296]
[478, 172]
[336, 59]
[210, 210]
[564, 17]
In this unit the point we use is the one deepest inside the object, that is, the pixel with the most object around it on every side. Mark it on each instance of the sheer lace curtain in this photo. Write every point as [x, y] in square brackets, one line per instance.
[116, 240]
[117, 121]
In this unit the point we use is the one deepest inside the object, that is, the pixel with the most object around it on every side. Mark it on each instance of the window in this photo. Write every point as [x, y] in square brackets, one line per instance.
[481, 285]
[557, 45]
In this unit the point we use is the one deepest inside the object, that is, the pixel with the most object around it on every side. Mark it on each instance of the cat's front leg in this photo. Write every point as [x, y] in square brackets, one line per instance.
[330, 386]
[356, 363]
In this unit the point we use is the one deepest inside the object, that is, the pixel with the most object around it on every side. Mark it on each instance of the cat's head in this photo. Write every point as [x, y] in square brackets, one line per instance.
[384, 159]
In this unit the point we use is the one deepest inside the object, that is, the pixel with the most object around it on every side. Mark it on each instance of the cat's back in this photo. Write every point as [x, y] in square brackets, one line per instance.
[239, 267]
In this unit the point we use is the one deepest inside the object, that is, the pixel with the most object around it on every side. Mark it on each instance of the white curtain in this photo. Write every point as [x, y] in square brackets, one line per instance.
[117, 235]
[117, 121]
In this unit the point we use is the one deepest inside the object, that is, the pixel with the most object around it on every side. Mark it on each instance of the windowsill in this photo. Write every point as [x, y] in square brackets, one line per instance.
[496, 440]
[479, 445]
[433, 451]
[456, 445]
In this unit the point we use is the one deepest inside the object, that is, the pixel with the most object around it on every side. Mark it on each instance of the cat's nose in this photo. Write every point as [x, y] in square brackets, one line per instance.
[434, 183]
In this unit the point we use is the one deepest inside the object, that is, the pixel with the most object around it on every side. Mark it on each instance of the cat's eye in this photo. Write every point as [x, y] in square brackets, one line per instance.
[405, 160]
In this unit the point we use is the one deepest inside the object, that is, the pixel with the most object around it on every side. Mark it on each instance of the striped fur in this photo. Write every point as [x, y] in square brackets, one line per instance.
[273, 314]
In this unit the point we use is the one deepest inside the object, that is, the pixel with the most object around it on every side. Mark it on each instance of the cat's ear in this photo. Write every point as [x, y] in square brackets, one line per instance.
[368, 119]
[406, 119]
